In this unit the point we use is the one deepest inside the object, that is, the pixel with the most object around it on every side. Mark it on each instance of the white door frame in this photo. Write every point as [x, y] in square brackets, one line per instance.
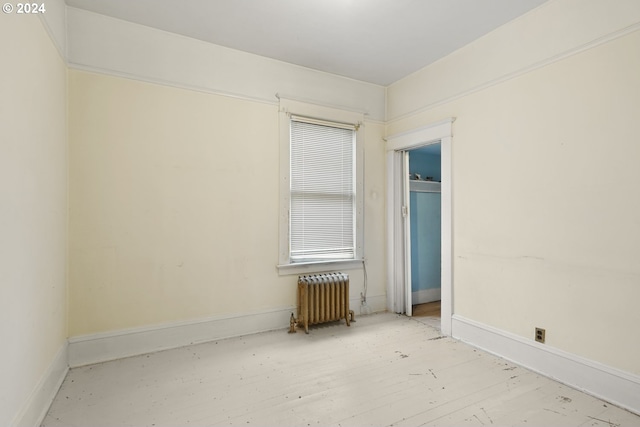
[406, 230]
[397, 285]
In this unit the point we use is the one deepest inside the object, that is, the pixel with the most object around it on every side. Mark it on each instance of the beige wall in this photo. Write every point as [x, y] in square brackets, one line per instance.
[545, 219]
[174, 206]
[33, 211]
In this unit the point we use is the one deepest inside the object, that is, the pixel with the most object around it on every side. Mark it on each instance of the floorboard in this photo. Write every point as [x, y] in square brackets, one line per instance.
[384, 370]
[429, 309]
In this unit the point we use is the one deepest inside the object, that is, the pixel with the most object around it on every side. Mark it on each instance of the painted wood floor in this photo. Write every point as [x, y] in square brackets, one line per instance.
[384, 370]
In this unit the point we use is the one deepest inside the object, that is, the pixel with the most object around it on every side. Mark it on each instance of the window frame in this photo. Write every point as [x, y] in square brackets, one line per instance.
[290, 108]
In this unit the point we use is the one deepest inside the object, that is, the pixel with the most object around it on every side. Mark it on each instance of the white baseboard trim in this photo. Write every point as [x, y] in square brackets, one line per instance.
[604, 382]
[424, 296]
[38, 403]
[102, 347]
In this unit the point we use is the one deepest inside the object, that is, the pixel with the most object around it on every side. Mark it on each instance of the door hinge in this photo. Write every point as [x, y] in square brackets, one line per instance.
[405, 211]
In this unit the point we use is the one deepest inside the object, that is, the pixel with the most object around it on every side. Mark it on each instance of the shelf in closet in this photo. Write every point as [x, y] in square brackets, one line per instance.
[424, 186]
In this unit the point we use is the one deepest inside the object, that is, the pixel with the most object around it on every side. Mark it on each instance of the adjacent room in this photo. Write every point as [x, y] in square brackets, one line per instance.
[174, 173]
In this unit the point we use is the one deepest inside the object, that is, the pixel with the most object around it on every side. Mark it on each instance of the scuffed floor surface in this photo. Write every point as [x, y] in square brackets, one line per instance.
[384, 370]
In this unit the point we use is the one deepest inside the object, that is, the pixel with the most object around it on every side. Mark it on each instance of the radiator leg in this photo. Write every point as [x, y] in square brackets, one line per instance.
[348, 315]
[352, 314]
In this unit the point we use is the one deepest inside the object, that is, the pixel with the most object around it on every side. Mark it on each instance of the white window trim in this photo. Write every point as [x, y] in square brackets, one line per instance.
[288, 108]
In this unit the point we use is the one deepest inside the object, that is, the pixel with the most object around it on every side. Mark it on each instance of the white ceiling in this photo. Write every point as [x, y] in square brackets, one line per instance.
[376, 41]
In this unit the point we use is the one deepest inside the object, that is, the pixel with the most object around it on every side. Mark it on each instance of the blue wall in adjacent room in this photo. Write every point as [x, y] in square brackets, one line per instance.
[424, 164]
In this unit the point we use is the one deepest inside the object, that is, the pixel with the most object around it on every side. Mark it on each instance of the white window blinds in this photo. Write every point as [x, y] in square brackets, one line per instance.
[322, 209]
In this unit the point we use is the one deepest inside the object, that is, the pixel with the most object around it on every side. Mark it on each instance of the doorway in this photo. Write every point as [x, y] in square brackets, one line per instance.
[424, 213]
[398, 237]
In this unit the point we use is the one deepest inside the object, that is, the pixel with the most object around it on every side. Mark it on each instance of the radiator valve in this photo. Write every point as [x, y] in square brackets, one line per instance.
[293, 322]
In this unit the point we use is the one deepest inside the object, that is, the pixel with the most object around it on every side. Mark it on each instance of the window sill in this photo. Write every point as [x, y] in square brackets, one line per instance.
[318, 267]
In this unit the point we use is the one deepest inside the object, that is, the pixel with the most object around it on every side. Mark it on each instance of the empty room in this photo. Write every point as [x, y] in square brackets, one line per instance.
[320, 212]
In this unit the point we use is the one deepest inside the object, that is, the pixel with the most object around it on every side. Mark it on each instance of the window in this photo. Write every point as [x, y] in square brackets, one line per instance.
[321, 200]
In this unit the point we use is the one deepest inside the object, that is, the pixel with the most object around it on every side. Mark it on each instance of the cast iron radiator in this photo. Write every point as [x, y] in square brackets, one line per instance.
[322, 298]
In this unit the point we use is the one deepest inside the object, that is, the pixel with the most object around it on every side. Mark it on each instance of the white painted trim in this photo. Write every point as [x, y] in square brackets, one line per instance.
[303, 101]
[446, 233]
[419, 136]
[112, 46]
[203, 89]
[37, 404]
[500, 75]
[54, 21]
[439, 131]
[319, 267]
[607, 383]
[101, 347]
[426, 295]
[406, 220]
[289, 107]
[170, 83]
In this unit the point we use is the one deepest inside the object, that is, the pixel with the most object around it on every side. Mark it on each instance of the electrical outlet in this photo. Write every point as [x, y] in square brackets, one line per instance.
[540, 335]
